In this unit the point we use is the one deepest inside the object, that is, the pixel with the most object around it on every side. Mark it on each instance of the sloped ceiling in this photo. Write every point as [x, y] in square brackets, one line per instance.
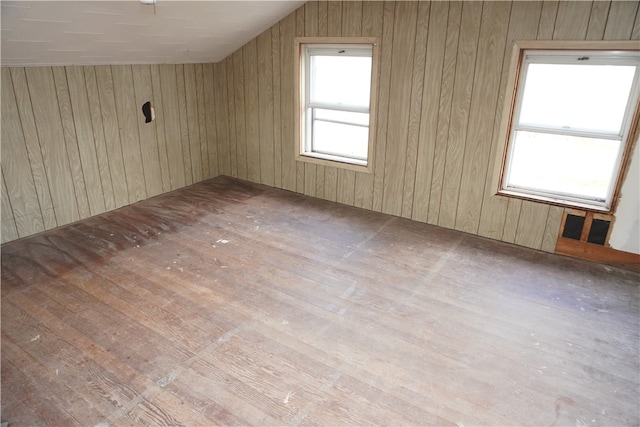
[128, 32]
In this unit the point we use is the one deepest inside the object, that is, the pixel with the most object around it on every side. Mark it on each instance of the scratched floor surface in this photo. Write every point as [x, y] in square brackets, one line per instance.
[232, 303]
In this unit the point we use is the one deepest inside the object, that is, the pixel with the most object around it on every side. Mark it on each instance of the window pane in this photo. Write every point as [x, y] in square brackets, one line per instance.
[343, 116]
[563, 164]
[341, 80]
[340, 139]
[587, 97]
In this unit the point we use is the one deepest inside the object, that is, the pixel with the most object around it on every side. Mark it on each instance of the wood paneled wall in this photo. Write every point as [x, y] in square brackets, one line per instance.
[74, 141]
[440, 97]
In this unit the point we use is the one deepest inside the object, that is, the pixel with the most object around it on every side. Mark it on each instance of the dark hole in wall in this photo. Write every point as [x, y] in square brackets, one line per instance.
[573, 227]
[598, 232]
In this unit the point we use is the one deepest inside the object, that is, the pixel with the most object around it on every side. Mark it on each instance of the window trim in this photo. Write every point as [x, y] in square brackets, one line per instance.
[300, 127]
[509, 114]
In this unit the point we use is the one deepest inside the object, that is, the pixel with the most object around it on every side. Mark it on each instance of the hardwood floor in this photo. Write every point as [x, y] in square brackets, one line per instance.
[233, 303]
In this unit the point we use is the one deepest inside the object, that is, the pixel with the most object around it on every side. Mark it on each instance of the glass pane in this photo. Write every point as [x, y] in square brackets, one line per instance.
[340, 139]
[587, 97]
[563, 164]
[343, 116]
[341, 80]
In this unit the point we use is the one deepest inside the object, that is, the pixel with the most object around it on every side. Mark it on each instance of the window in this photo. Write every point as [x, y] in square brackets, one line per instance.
[336, 94]
[569, 124]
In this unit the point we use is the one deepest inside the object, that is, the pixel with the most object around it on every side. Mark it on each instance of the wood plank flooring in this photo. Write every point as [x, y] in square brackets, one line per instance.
[234, 303]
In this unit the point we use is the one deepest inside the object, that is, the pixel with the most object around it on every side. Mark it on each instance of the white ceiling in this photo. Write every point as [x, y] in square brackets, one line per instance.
[128, 32]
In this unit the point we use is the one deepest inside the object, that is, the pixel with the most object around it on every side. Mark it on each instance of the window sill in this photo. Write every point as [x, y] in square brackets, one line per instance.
[553, 201]
[336, 162]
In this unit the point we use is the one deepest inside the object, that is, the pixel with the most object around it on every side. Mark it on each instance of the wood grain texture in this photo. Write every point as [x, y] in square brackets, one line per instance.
[85, 138]
[436, 40]
[210, 106]
[70, 139]
[193, 126]
[288, 169]
[93, 96]
[127, 112]
[181, 108]
[8, 230]
[252, 110]
[231, 105]
[239, 100]
[172, 125]
[622, 16]
[384, 88]
[444, 110]
[461, 102]
[19, 198]
[149, 147]
[202, 121]
[36, 161]
[415, 109]
[159, 128]
[404, 40]
[109, 115]
[303, 316]
[52, 143]
[477, 153]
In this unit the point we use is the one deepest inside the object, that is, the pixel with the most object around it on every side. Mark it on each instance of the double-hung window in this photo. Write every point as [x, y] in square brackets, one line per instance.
[335, 99]
[570, 125]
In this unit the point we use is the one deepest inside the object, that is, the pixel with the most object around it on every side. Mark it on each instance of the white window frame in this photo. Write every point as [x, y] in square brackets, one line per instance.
[305, 109]
[526, 52]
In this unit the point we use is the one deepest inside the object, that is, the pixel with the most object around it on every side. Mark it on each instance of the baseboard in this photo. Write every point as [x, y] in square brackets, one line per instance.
[597, 253]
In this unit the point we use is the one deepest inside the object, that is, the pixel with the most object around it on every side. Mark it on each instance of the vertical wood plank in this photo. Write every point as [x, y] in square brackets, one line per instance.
[598, 20]
[202, 124]
[288, 163]
[572, 20]
[210, 105]
[436, 42]
[382, 124]
[112, 135]
[95, 111]
[169, 89]
[499, 215]
[531, 224]
[299, 32]
[483, 110]
[19, 198]
[277, 118]
[192, 121]
[126, 112]
[222, 120]
[8, 230]
[32, 142]
[404, 36]
[71, 140]
[231, 108]
[372, 15]
[251, 104]
[240, 130]
[143, 92]
[184, 124]
[86, 142]
[552, 228]
[635, 33]
[51, 136]
[511, 220]
[415, 111]
[620, 20]
[548, 20]
[444, 110]
[265, 102]
[158, 125]
[458, 128]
